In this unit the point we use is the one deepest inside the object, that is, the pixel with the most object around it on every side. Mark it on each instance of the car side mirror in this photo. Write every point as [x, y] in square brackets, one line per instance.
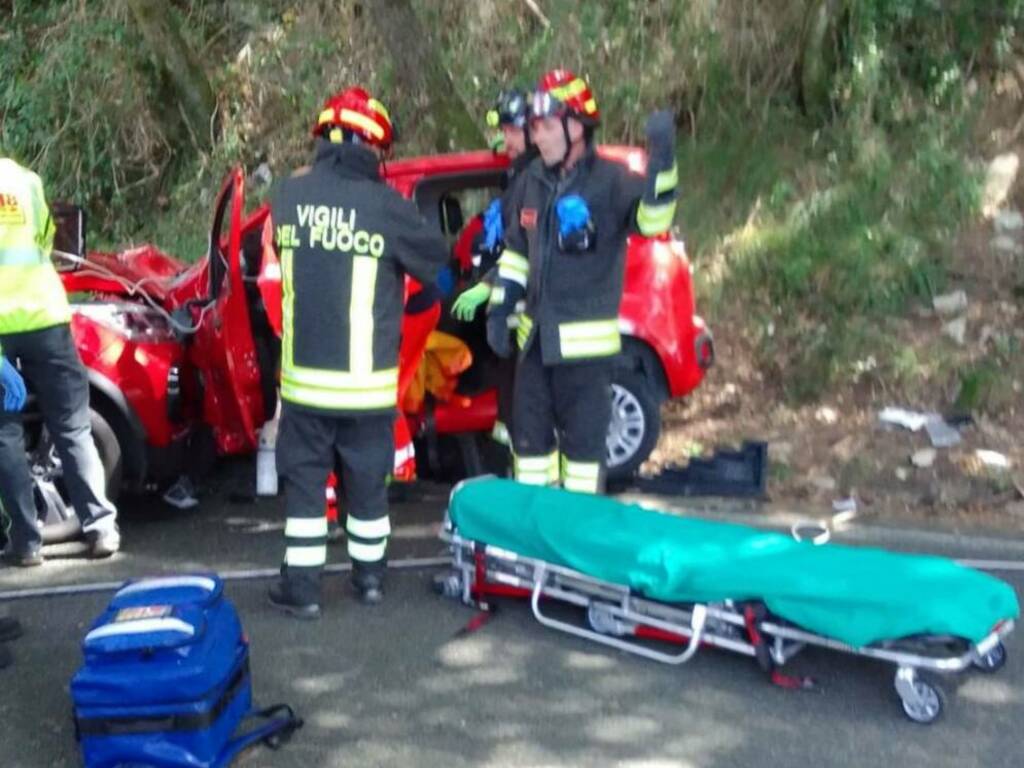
[451, 215]
[69, 237]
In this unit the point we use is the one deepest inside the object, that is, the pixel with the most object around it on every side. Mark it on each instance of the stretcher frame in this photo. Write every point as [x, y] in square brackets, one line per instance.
[480, 571]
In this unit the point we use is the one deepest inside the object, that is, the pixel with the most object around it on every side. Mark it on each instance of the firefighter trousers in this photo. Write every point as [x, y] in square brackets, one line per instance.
[308, 445]
[560, 421]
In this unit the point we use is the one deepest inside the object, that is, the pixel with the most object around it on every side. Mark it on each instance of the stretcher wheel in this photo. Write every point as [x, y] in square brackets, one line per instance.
[992, 661]
[602, 621]
[448, 584]
[929, 703]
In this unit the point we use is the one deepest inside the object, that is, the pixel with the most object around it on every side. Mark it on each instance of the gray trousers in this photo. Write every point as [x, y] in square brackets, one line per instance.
[54, 372]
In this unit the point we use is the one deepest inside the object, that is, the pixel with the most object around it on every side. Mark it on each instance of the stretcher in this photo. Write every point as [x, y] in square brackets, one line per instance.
[661, 586]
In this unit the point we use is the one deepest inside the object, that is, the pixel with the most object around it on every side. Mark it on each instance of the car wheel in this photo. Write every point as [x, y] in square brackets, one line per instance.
[634, 426]
[53, 506]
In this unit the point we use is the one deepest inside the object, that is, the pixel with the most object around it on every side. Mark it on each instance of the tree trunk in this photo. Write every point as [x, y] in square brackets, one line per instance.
[816, 66]
[178, 66]
[432, 102]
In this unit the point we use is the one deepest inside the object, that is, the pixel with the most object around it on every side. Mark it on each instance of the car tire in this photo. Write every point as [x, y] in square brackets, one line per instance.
[56, 515]
[635, 423]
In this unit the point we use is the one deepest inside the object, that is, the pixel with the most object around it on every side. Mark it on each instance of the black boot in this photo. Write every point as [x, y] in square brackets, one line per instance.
[368, 585]
[285, 597]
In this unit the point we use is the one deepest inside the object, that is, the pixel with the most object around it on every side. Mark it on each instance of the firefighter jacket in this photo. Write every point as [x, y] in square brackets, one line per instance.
[31, 293]
[345, 241]
[572, 298]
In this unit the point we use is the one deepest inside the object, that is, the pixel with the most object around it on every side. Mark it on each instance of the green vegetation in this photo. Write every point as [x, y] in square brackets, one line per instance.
[826, 146]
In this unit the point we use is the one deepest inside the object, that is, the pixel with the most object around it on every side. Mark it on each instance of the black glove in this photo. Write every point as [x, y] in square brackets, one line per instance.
[661, 140]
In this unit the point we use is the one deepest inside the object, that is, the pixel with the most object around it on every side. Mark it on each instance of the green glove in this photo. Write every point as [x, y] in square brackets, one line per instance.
[469, 300]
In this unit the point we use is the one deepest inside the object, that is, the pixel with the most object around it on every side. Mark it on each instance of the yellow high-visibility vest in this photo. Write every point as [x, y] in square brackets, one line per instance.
[31, 293]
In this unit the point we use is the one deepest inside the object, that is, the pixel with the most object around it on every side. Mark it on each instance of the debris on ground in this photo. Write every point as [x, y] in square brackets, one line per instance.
[950, 303]
[741, 473]
[923, 458]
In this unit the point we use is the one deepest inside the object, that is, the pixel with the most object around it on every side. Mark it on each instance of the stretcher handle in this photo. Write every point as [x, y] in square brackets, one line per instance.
[697, 619]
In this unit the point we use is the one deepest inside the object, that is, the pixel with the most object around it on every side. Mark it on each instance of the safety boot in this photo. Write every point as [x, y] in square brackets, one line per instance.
[368, 586]
[286, 598]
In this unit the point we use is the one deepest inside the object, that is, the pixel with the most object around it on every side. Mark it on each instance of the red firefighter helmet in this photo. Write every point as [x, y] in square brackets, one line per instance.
[560, 93]
[353, 109]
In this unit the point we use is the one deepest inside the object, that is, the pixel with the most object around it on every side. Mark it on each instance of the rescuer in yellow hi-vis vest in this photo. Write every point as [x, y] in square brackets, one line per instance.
[345, 241]
[35, 330]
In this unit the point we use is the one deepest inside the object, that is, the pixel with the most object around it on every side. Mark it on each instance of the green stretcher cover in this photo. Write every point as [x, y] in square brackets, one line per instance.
[857, 595]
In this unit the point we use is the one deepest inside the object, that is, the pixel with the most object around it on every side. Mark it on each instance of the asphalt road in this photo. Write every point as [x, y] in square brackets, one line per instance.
[398, 686]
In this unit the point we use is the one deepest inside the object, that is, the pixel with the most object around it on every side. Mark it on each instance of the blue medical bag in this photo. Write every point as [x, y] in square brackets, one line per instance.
[165, 682]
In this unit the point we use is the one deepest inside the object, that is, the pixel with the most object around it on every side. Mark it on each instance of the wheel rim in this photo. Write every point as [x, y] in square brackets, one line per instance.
[927, 706]
[627, 427]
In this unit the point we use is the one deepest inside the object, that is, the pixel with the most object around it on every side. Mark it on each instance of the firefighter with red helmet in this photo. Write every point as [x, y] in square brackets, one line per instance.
[565, 250]
[346, 242]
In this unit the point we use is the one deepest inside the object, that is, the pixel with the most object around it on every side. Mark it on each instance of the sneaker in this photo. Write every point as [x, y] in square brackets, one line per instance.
[5, 656]
[10, 629]
[281, 597]
[28, 559]
[104, 543]
[369, 588]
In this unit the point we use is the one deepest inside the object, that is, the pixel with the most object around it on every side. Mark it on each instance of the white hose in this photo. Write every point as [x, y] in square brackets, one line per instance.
[134, 289]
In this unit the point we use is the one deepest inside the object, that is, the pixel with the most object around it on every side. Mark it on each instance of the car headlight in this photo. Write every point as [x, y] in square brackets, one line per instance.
[135, 322]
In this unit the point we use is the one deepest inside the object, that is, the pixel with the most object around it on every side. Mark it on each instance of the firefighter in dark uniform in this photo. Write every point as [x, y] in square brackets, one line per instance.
[345, 242]
[565, 251]
[509, 115]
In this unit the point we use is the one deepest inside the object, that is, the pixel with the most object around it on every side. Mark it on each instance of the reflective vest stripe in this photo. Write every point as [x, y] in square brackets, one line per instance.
[523, 330]
[317, 378]
[305, 527]
[377, 528]
[360, 314]
[358, 400]
[306, 557]
[513, 266]
[655, 219]
[21, 256]
[359, 389]
[366, 553]
[592, 338]
[666, 181]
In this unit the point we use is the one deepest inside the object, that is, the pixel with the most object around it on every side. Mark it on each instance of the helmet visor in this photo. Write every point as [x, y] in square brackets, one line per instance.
[543, 104]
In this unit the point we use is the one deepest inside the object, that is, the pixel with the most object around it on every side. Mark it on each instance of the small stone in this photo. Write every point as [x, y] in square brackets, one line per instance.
[956, 329]
[950, 303]
[902, 474]
[999, 178]
[826, 415]
[992, 459]
[923, 458]
[1009, 221]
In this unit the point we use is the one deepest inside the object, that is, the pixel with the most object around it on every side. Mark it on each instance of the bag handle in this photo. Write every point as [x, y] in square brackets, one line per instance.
[281, 723]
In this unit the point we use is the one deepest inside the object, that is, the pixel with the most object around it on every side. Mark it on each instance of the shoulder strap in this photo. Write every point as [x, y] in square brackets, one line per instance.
[281, 723]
